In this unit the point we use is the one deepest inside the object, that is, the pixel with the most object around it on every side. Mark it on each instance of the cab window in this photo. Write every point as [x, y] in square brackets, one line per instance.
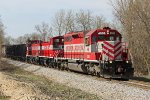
[87, 41]
[111, 38]
[107, 38]
[118, 38]
[62, 40]
[101, 37]
[68, 39]
[56, 43]
[94, 39]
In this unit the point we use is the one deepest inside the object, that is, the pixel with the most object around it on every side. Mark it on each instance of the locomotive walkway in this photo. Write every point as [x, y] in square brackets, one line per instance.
[106, 89]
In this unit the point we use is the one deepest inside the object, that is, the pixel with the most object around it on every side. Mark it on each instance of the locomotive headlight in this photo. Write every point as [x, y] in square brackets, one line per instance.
[110, 61]
[127, 61]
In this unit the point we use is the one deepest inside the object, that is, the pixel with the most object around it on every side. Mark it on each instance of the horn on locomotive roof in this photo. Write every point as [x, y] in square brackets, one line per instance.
[107, 28]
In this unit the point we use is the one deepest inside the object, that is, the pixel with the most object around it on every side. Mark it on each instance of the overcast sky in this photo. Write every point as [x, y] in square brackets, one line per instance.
[20, 16]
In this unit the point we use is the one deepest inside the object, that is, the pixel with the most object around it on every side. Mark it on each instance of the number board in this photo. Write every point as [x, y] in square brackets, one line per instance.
[112, 33]
[102, 33]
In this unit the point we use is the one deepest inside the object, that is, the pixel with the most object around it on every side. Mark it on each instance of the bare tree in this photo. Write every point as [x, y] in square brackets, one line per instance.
[69, 22]
[84, 20]
[50, 33]
[58, 22]
[1, 36]
[26, 37]
[44, 30]
[35, 36]
[11, 41]
[22, 39]
[134, 16]
[98, 22]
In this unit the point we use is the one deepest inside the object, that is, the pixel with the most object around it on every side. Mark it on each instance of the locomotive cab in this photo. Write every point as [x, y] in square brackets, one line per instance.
[111, 52]
[58, 43]
[115, 61]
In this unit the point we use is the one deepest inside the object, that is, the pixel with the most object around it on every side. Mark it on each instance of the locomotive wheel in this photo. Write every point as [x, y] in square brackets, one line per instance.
[58, 65]
[66, 66]
[90, 69]
[50, 65]
[94, 72]
[102, 74]
[62, 65]
[98, 74]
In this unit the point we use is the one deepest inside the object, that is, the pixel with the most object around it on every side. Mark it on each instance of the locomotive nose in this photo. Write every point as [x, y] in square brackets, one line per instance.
[112, 50]
[119, 69]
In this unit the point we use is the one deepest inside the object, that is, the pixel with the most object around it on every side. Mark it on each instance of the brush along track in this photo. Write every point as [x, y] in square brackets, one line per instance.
[139, 84]
[135, 83]
[110, 90]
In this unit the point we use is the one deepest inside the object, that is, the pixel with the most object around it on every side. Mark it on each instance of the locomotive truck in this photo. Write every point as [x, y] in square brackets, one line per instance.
[98, 52]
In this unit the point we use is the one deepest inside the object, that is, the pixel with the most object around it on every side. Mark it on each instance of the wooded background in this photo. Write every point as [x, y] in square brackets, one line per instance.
[134, 18]
[1, 35]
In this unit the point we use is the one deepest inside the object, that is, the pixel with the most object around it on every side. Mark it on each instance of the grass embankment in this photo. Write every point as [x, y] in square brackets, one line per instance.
[4, 97]
[50, 88]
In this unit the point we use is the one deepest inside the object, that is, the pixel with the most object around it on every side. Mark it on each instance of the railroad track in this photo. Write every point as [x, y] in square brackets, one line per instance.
[135, 83]
[131, 82]
[139, 84]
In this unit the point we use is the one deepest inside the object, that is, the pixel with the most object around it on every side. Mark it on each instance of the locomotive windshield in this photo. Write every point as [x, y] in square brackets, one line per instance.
[101, 37]
[109, 38]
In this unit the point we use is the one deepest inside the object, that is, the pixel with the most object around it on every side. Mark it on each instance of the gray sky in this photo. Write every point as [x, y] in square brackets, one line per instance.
[20, 16]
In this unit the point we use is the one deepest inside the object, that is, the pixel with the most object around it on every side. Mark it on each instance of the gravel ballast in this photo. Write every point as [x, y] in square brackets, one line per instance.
[106, 89]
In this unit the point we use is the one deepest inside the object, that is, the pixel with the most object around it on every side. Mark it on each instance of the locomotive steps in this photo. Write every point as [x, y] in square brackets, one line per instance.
[106, 89]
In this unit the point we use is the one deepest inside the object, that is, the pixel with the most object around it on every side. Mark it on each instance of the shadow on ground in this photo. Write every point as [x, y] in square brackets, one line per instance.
[144, 79]
[5, 67]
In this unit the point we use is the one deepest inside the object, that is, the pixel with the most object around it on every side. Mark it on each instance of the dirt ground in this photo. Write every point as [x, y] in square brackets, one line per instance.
[18, 84]
[13, 89]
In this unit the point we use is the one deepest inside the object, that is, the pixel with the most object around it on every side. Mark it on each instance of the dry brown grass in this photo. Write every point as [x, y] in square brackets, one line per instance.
[50, 88]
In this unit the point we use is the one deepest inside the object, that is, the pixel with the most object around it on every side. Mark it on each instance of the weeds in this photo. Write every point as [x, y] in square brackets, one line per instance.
[50, 88]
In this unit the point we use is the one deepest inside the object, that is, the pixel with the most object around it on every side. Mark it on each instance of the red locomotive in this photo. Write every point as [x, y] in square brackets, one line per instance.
[44, 52]
[98, 52]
